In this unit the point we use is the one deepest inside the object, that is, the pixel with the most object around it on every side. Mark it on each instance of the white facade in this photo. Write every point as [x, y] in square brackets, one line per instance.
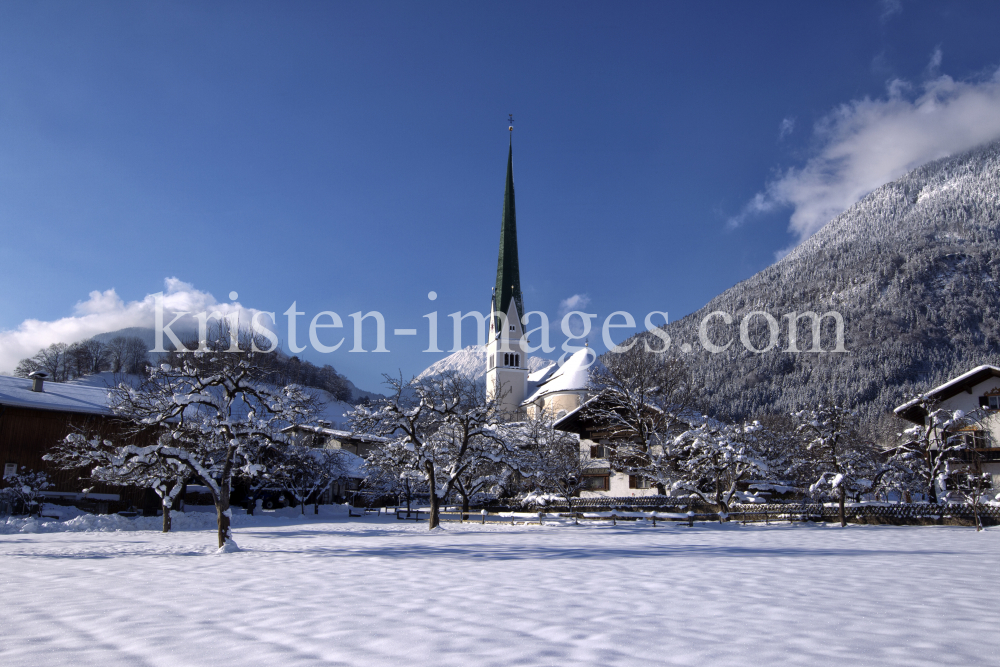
[608, 483]
[507, 360]
[977, 390]
[558, 390]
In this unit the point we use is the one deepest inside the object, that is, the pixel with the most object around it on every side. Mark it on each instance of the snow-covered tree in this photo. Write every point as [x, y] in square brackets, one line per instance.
[835, 456]
[23, 488]
[209, 415]
[103, 458]
[546, 460]
[708, 462]
[307, 472]
[442, 426]
[930, 455]
[643, 394]
[390, 471]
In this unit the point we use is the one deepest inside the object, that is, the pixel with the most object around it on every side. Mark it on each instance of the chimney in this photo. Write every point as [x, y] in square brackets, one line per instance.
[38, 380]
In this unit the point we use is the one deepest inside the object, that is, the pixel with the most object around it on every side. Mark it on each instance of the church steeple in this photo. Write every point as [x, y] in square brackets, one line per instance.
[508, 277]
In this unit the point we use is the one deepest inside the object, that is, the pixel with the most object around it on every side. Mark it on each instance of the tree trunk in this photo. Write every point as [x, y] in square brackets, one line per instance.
[932, 483]
[433, 521]
[843, 516]
[166, 503]
[223, 514]
[719, 505]
[465, 506]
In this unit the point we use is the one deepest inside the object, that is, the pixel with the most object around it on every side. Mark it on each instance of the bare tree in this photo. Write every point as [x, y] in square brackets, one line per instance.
[103, 458]
[547, 459]
[440, 426]
[643, 394]
[835, 455]
[210, 415]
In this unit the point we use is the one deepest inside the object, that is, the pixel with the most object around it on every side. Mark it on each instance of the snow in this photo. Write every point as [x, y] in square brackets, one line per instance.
[573, 375]
[329, 590]
[54, 396]
[471, 363]
[961, 379]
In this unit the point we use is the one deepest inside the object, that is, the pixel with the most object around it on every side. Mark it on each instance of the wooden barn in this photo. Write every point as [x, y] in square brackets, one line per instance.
[35, 415]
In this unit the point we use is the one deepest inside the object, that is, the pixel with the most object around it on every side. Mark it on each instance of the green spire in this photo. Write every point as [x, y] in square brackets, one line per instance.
[508, 277]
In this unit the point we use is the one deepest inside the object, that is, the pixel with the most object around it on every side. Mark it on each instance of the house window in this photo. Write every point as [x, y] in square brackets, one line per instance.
[506, 359]
[638, 482]
[598, 452]
[517, 360]
[512, 327]
[972, 439]
[9, 470]
[595, 482]
[989, 402]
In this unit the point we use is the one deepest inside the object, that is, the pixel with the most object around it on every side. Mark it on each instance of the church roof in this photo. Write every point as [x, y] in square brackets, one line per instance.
[573, 375]
[508, 276]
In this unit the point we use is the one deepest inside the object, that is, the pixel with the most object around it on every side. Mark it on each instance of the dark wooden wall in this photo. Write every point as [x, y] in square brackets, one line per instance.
[27, 434]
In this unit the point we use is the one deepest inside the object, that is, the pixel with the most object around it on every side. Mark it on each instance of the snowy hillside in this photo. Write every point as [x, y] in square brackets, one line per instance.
[913, 268]
[471, 363]
[328, 407]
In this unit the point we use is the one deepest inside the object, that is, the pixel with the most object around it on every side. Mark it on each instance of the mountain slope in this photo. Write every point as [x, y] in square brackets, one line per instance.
[471, 363]
[913, 268]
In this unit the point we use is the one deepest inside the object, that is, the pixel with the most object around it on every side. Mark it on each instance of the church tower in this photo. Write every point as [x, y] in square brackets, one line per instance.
[506, 350]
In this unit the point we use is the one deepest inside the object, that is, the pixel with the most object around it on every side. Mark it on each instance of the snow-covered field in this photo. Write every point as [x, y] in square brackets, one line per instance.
[376, 591]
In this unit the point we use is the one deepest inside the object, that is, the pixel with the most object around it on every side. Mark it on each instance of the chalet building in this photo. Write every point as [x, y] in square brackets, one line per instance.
[977, 390]
[358, 444]
[35, 415]
[598, 446]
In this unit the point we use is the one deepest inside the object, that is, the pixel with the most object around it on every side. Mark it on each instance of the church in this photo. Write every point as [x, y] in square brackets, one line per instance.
[557, 391]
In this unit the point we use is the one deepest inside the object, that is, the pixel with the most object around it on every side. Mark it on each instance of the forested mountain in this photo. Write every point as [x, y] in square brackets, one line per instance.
[913, 268]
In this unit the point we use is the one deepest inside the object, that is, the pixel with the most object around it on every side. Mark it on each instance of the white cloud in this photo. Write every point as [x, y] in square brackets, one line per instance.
[575, 302]
[787, 127]
[889, 9]
[934, 66]
[568, 305]
[866, 143]
[103, 312]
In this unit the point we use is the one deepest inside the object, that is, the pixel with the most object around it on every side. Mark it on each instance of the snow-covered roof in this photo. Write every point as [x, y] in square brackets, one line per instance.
[911, 409]
[60, 396]
[353, 464]
[569, 420]
[573, 375]
[335, 433]
[540, 376]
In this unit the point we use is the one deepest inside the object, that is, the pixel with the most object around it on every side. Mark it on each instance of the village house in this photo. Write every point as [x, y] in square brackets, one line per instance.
[35, 415]
[359, 445]
[976, 393]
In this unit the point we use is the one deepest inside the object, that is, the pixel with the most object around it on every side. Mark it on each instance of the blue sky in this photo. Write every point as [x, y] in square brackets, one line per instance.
[351, 156]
